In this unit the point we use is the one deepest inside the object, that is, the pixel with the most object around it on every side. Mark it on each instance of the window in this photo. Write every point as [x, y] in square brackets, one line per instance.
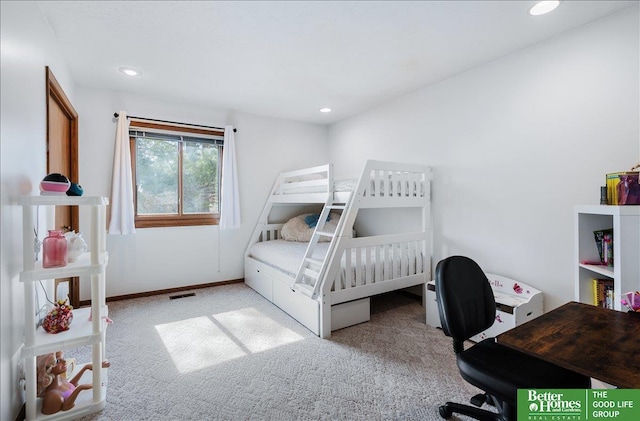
[176, 172]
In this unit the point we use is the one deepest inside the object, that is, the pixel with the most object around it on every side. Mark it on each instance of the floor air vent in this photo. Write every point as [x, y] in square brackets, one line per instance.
[173, 297]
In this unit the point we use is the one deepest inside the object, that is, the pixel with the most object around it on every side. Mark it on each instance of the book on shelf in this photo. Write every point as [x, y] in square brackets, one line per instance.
[603, 293]
[604, 244]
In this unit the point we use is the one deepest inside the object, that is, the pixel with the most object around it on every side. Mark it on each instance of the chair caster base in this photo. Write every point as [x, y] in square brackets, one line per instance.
[482, 398]
[445, 412]
[479, 399]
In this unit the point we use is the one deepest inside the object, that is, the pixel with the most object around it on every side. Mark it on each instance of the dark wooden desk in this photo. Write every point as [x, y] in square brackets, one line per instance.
[594, 341]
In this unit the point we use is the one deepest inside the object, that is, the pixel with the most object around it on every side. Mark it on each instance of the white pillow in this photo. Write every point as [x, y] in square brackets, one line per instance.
[296, 229]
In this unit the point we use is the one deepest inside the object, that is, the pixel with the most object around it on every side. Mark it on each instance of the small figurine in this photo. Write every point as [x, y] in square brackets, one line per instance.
[75, 245]
[58, 393]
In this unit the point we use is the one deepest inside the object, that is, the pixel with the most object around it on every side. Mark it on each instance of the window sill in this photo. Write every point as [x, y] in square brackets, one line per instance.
[162, 222]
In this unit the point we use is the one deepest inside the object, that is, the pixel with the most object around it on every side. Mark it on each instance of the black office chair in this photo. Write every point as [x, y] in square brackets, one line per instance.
[467, 307]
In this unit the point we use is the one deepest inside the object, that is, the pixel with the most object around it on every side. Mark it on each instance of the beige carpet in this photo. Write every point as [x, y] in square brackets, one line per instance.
[227, 353]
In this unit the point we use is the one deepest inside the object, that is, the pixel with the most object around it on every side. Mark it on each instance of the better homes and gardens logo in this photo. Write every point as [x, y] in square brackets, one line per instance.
[578, 404]
[559, 405]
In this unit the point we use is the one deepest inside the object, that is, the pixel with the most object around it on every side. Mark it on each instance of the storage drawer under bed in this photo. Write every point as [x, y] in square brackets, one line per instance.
[299, 306]
[266, 281]
[350, 313]
[258, 279]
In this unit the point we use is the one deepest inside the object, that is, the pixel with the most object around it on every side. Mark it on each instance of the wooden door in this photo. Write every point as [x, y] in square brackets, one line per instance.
[62, 157]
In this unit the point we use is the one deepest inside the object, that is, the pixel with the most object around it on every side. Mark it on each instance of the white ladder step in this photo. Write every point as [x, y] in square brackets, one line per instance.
[305, 289]
[305, 271]
[313, 261]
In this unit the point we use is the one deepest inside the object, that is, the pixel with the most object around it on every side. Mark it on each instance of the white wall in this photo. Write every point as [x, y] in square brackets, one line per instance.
[514, 145]
[27, 47]
[161, 258]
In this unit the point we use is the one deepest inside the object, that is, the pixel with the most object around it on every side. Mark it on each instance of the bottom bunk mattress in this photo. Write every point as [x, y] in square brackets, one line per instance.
[363, 266]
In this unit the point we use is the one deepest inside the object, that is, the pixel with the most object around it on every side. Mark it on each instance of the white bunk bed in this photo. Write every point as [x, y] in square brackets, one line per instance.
[326, 285]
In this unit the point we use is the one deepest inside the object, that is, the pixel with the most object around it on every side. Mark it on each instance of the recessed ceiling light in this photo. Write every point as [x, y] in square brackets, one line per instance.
[325, 110]
[542, 7]
[129, 71]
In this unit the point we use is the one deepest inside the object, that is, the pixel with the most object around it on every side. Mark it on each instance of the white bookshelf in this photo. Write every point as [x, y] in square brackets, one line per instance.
[90, 266]
[625, 272]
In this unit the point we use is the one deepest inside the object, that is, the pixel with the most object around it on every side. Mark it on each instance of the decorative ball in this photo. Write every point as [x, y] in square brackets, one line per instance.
[59, 318]
[54, 183]
[75, 190]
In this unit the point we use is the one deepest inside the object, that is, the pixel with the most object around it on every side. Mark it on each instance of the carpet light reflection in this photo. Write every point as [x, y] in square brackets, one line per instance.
[205, 341]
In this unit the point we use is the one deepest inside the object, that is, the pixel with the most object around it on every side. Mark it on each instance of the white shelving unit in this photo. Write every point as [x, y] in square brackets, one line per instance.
[82, 332]
[625, 272]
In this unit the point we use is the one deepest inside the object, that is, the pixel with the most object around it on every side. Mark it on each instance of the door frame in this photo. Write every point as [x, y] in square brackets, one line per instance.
[54, 91]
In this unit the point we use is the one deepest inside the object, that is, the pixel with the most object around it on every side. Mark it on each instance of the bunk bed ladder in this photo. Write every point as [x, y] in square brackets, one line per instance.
[309, 265]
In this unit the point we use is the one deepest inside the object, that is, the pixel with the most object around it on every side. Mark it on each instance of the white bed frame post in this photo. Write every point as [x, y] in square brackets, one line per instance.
[427, 225]
[325, 315]
[264, 218]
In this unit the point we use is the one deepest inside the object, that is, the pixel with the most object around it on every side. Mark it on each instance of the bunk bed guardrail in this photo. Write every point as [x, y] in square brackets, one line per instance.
[370, 262]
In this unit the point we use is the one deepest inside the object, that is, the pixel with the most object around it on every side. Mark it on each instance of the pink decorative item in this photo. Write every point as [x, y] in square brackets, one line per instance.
[628, 189]
[54, 184]
[632, 301]
[105, 318]
[54, 250]
[54, 187]
[59, 318]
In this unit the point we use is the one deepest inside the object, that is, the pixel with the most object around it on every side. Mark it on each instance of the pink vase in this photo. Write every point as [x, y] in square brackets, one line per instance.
[54, 250]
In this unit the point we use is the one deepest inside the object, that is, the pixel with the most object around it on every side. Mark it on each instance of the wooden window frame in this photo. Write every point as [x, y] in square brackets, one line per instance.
[156, 221]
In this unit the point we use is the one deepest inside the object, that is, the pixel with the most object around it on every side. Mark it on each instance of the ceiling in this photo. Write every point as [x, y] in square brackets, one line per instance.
[288, 59]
